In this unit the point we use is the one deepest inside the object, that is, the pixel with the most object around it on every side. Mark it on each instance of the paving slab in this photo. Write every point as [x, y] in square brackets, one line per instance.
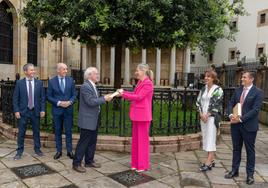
[154, 184]
[158, 171]
[113, 155]
[45, 181]
[194, 179]
[216, 176]
[2, 166]
[76, 177]
[111, 167]
[262, 169]
[172, 164]
[171, 180]
[101, 182]
[25, 160]
[5, 151]
[158, 158]
[190, 166]
[14, 184]
[189, 155]
[6, 176]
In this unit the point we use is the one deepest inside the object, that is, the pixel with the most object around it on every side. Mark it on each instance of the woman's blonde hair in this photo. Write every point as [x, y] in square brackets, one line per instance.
[145, 67]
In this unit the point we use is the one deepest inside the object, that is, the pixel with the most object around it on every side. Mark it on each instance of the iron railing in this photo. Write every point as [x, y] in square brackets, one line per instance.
[174, 112]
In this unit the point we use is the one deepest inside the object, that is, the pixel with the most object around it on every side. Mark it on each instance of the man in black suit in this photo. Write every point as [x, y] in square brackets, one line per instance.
[244, 129]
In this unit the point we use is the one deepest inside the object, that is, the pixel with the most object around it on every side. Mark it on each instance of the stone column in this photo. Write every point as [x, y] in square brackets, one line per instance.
[84, 57]
[43, 57]
[126, 77]
[158, 66]
[186, 65]
[172, 69]
[89, 54]
[112, 65]
[98, 57]
[143, 56]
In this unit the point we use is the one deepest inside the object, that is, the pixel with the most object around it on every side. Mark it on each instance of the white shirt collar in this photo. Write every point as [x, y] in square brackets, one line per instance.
[249, 87]
[94, 85]
[59, 77]
[29, 79]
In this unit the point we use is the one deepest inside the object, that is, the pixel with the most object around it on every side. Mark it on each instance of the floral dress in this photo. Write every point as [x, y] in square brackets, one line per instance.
[210, 101]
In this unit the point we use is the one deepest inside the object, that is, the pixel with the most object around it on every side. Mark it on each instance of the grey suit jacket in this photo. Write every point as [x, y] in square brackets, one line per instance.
[89, 107]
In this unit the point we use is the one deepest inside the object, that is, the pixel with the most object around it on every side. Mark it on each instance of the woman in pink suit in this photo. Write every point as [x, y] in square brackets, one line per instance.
[141, 117]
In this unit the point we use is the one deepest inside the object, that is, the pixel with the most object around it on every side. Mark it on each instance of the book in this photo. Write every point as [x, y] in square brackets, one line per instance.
[237, 110]
[114, 94]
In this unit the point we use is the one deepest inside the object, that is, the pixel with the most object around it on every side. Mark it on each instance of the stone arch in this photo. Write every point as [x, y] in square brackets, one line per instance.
[15, 42]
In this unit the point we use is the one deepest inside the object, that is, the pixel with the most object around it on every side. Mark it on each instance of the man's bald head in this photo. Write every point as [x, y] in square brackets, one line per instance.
[62, 69]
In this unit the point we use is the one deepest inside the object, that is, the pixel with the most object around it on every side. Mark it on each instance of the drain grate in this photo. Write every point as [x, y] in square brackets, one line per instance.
[131, 178]
[32, 170]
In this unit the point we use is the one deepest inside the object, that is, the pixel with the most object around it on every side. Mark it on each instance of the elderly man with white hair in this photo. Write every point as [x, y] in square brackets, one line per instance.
[88, 118]
[61, 94]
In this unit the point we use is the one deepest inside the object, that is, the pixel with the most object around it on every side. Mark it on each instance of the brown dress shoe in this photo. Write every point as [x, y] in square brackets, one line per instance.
[93, 165]
[79, 169]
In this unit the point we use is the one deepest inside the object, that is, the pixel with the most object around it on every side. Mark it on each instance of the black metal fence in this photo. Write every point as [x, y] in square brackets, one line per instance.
[174, 112]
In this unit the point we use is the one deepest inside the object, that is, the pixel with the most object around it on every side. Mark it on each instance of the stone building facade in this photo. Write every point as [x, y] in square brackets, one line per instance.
[19, 45]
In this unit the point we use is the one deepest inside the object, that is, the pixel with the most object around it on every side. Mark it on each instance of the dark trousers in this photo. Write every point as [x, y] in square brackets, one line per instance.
[22, 125]
[240, 136]
[86, 146]
[67, 121]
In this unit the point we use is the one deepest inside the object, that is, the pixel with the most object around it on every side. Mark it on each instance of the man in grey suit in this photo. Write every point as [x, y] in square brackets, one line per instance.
[88, 117]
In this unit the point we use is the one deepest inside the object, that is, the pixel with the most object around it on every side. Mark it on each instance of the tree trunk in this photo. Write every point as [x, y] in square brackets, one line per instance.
[117, 67]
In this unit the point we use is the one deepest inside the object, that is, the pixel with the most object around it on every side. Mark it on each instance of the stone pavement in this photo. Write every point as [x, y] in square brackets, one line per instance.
[167, 169]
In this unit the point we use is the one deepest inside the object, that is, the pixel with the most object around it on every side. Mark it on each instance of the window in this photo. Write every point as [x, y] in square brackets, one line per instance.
[260, 51]
[233, 25]
[32, 46]
[231, 55]
[262, 18]
[192, 60]
[210, 57]
[6, 34]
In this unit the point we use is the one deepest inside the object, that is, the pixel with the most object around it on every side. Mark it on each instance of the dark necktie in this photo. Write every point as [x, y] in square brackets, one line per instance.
[30, 95]
[61, 85]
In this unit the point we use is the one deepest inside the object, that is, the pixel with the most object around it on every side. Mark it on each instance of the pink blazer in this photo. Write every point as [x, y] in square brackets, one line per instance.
[141, 101]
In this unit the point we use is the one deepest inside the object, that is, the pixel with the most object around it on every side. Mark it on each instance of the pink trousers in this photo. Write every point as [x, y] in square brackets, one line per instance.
[140, 148]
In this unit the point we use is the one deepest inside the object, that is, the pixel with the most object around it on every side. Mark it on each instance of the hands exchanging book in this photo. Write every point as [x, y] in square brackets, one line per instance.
[110, 96]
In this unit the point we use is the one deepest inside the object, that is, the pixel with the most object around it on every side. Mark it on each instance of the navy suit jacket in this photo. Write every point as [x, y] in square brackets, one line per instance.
[251, 107]
[54, 95]
[20, 97]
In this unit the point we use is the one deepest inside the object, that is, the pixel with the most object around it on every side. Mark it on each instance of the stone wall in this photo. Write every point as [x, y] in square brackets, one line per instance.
[115, 143]
[263, 116]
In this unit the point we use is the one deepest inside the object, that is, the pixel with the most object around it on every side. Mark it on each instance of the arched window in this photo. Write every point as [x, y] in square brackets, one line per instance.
[32, 46]
[6, 34]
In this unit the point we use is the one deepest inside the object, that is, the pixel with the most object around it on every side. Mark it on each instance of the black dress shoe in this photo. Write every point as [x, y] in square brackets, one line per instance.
[250, 180]
[57, 155]
[70, 155]
[231, 175]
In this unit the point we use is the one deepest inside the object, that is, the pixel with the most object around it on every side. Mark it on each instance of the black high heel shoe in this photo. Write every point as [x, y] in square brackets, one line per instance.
[213, 164]
[205, 167]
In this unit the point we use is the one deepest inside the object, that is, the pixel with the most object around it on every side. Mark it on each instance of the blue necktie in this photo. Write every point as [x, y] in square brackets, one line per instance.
[61, 85]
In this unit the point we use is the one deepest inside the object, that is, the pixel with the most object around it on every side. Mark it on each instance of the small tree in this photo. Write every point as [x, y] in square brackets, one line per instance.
[134, 23]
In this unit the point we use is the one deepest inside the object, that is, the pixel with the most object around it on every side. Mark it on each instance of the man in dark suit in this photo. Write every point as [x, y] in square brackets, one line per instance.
[88, 117]
[61, 94]
[29, 104]
[244, 129]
